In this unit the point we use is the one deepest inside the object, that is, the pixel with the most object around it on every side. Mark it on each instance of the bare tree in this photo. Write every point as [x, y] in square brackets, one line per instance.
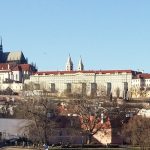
[91, 117]
[31, 86]
[6, 110]
[137, 131]
[41, 113]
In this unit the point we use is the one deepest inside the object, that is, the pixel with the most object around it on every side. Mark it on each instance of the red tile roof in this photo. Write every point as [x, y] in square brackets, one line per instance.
[87, 71]
[144, 75]
[14, 67]
[5, 66]
[25, 67]
[17, 68]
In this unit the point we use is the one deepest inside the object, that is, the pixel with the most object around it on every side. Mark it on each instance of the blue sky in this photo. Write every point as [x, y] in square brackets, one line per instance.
[107, 34]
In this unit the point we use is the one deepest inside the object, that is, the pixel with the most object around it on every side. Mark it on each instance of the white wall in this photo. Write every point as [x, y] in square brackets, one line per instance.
[17, 76]
[16, 87]
[116, 80]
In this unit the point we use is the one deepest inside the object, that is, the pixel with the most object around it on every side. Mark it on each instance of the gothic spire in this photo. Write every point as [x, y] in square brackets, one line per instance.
[80, 65]
[1, 45]
[69, 64]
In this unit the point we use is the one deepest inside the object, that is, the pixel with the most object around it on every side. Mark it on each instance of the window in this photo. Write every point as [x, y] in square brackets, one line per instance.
[52, 87]
[16, 76]
[108, 88]
[83, 88]
[8, 76]
[93, 89]
[126, 86]
[68, 87]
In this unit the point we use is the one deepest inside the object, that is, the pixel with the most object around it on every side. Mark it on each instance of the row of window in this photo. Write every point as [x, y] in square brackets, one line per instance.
[84, 86]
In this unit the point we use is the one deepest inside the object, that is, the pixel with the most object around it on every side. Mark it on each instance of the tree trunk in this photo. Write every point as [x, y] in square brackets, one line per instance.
[45, 133]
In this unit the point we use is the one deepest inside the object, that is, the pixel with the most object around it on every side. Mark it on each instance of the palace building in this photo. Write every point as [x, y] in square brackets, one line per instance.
[15, 72]
[88, 82]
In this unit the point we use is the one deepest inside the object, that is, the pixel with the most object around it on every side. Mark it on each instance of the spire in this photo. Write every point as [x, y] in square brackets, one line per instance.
[69, 65]
[1, 45]
[80, 65]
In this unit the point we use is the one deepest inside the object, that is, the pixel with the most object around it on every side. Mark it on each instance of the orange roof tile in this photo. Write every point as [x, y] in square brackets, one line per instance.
[25, 67]
[86, 71]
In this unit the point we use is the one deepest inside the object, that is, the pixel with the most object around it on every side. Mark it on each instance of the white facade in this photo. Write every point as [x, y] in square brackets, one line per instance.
[141, 86]
[13, 76]
[96, 82]
[11, 79]
[16, 87]
[17, 76]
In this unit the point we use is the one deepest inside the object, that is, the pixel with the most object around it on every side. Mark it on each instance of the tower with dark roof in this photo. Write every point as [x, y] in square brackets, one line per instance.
[1, 46]
[69, 64]
[1, 50]
[80, 65]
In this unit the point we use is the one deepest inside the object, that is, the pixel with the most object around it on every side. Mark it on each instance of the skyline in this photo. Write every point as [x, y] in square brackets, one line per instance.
[106, 34]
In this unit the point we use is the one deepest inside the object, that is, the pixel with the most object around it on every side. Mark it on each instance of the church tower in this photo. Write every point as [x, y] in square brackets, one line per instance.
[1, 46]
[1, 51]
[69, 65]
[80, 65]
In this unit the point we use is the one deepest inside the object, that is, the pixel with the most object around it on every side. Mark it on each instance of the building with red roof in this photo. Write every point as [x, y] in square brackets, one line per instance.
[141, 85]
[88, 82]
[14, 69]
